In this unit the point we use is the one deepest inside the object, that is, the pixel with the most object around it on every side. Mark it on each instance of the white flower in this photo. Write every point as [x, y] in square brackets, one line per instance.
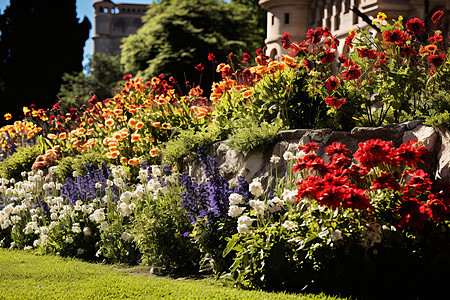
[274, 159]
[132, 206]
[336, 235]
[235, 211]
[242, 229]
[98, 215]
[288, 155]
[104, 226]
[76, 228]
[26, 248]
[80, 251]
[156, 171]
[44, 230]
[245, 220]
[119, 182]
[87, 231]
[76, 174]
[275, 204]
[126, 196]
[289, 225]
[127, 237]
[98, 185]
[258, 206]
[69, 240]
[125, 209]
[12, 180]
[256, 188]
[36, 243]
[289, 196]
[235, 199]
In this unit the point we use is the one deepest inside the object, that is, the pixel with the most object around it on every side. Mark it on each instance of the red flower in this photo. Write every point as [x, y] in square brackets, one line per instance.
[349, 39]
[328, 56]
[125, 77]
[310, 186]
[199, 67]
[415, 26]
[435, 208]
[246, 57]
[396, 37]
[339, 161]
[411, 155]
[356, 199]
[310, 147]
[285, 43]
[373, 153]
[211, 57]
[364, 52]
[335, 102]
[408, 52]
[385, 181]
[437, 38]
[437, 60]
[419, 182]
[342, 59]
[336, 148]
[304, 162]
[353, 71]
[332, 83]
[437, 16]
[313, 37]
[413, 214]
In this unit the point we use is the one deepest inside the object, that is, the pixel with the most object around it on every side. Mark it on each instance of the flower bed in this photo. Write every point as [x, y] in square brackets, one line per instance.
[107, 184]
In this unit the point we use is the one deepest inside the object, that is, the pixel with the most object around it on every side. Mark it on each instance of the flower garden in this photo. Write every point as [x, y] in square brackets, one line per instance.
[108, 181]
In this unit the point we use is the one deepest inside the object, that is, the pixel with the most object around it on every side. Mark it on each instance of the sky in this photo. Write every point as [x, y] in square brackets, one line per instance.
[84, 8]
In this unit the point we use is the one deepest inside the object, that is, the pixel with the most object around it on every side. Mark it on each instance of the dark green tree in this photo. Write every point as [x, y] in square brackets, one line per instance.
[78, 88]
[177, 35]
[40, 41]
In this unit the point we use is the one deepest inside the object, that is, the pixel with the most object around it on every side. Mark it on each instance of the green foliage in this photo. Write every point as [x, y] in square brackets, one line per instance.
[439, 113]
[22, 160]
[78, 88]
[177, 35]
[159, 230]
[187, 141]
[69, 164]
[249, 135]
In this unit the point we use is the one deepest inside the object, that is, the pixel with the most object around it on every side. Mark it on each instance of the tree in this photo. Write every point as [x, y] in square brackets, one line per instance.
[177, 35]
[40, 41]
[106, 72]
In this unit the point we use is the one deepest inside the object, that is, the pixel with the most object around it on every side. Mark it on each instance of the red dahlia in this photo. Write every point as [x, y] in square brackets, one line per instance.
[396, 37]
[415, 26]
[332, 83]
[437, 60]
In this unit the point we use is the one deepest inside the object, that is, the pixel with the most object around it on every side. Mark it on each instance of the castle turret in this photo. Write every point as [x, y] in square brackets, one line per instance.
[114, 22]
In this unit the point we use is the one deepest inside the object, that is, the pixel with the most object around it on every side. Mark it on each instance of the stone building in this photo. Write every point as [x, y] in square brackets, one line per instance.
[114, 21]
[297, 16]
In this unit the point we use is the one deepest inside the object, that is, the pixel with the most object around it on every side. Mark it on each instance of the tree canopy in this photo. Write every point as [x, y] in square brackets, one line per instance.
[40, 41]
[177, 35]
[78, 88]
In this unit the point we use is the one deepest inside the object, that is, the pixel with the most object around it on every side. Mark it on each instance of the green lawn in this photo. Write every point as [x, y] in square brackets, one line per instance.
[27, 276]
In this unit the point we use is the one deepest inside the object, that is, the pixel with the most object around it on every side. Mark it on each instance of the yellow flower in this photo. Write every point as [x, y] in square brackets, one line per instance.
[352, 32]
[381, 16]
[8, 116]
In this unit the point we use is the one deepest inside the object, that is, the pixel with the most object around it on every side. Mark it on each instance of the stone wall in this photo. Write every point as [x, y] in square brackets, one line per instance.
[257, 164]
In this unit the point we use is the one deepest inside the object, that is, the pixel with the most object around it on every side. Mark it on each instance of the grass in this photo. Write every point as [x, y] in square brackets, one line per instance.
[25, 275]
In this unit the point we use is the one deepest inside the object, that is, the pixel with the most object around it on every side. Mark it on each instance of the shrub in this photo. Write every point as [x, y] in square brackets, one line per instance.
[20, 161]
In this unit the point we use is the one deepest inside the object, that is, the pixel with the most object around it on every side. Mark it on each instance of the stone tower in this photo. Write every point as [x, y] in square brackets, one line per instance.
[297, 16]
[114, 22]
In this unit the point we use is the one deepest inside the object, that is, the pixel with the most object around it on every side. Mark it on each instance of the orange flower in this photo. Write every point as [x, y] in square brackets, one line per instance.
[135, 137]
[154, 152]
[62, 135]
[134, 161]
[109, 122]
[112, 148]
[124, 132]
[139, 125]
[81, 130]
[90, 131]
[8, 116]
[156, 124]
[132, 122]
[51, 136]
[123, 160]
[114, 154]
[118, 111]
[430, 48]
[57, 147]
[248, 93]
[165, 125]
[117, 135]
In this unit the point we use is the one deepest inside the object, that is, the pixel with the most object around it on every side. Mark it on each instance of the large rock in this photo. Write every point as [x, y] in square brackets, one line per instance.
[443, 156]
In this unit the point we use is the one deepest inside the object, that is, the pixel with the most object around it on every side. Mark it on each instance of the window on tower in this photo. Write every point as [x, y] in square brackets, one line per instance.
[286, 18]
